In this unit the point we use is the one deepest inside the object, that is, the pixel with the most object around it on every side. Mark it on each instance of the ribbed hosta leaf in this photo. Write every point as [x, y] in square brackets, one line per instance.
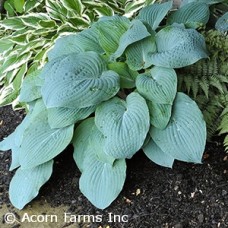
[209, 2]
[137, 31]
[138, 54]
[222, 23]
[75, 43]
[99, 170]
[184, 138]
[78, 80]
[170, 53]
[124, 125]
[88, 140]
[155, 154]
[29, 90]
[25, 184]
[40, 143]
[110, 29]
[154, 13]
[158, 85]
[159, 114]
[62, 117]
[101, 182]
[192, 15]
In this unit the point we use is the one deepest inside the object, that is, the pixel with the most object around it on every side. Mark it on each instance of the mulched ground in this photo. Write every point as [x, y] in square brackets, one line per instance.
[186, 196]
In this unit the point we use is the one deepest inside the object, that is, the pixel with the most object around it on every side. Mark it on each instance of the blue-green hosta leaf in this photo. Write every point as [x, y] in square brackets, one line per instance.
[137, 31]
[192, 15]
[138, 54]
[75, 43]
[101, 182]
[222, 23]
[159, 85]
[127, 76]
[159, 114]
[78, 80]
[178, 47]
[155, 13]
[41, 143]
[155, 154]
[184, 138]
[110, 30]
[124, 124]
[87, 141]
[25, 184]
[62, 117]
[29, 90]
[209, 2]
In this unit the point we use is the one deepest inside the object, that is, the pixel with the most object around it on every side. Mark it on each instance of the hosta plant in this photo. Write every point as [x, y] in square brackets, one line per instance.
[26, 38]
[111, 91]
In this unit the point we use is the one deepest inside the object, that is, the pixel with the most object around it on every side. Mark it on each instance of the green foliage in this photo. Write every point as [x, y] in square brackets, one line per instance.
[206, 81]
[132, 104]
[30, 28]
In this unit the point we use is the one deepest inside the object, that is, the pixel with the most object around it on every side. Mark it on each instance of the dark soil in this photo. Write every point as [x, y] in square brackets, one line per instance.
[188, 195]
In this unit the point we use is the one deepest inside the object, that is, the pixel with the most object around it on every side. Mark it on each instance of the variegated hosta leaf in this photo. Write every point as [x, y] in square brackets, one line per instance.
[110, 29]
[40, 143]
[99, 170]
[29, 90]
[137, 31]
[178, 47]
[184, 138]
[154, 14]
[127, 76]
[155, 154]
[159, 114]
[25, 184]
[138, 54]
[193, 15]
[159, 85]
[124, 124]
[62, 117]
[78, 80]
[87, 40]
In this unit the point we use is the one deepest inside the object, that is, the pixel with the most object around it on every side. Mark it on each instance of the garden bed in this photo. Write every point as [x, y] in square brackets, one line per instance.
[188, 195]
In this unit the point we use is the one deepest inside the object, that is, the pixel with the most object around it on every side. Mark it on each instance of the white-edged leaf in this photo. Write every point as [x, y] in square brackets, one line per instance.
[159, 85]
[40, 143]
[178, 47]
[193, 15]
[137, 31]
[29, 90]
[62, 117]
[110, 30]
[86, 40]
[73, 5]
[222, 23]
[138, 54]
[25, 184]
[155, 13]
[155, 154]
[184, 138]
[124, 124]
[78, 80]
[159, 114]
[101, 182]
